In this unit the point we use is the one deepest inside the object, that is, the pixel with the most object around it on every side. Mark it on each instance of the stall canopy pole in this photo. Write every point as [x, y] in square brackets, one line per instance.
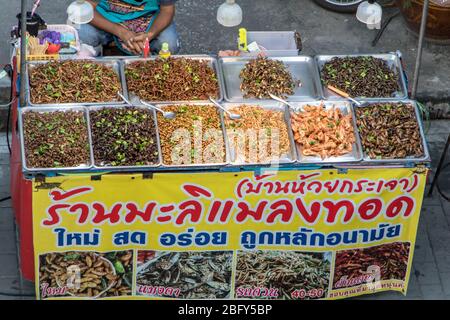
[423, 25]
[23, 51]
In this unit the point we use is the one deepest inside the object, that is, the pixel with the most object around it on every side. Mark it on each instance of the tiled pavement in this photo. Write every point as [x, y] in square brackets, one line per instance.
[430, 278]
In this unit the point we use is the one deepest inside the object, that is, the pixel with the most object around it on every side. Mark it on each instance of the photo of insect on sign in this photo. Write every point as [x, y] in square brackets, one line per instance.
[291, 235]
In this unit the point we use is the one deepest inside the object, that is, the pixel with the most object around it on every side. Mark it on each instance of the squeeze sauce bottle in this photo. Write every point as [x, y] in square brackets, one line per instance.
[164, 52]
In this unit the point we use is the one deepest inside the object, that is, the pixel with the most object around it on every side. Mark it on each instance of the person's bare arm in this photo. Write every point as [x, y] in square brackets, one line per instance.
[116, 29]
[162, 21]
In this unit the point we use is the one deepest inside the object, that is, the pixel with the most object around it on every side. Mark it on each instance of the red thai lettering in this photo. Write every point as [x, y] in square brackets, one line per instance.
[318, 187]
[346, 184]
[281, 208]
[246, 212]
[370, 209]
[298, 187]
[190, 208]
[84, 211]
[216, 206]
[334, 208]
[101, 214]
[415, 183]
[398, 205]
[309, 217]
[240, 187]
[307, 176]
[54, 215]
[281, 187]
[57, 195]
[196, 191]
[331, 188]
[134, 212]
[165, 209]
[359, 185]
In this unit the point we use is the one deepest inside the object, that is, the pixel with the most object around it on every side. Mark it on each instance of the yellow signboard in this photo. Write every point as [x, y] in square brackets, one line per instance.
[310, 234]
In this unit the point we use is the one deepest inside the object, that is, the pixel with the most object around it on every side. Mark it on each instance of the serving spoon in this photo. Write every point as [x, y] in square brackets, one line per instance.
[274, 97]
[166, 114]
[344, 95]
[233, 116]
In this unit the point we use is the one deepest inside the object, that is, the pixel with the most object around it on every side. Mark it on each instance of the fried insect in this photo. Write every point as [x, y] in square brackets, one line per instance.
[88, 274]
[262, 75]
[389, 131]
[321, 132]
[194, 275]
[173, 79]
[361, 76]
[73, 81]
[124, 137]
[391, 259]
[194, 136]
[260, 135]
[55, 139]
[285, 271]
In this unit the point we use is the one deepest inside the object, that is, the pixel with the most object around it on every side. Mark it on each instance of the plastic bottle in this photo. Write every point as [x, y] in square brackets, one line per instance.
[164, 52]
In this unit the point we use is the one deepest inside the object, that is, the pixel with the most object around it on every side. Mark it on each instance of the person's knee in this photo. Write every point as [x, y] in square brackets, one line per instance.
[174, 45]
[170, 36]
[92, 36]
[88, 34]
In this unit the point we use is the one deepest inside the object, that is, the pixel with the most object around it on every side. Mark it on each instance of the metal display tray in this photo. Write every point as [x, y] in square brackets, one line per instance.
[393, 62]
[125, 168]
[54, 108]
[114, 63]
[212, 62]
[266, 105]
[346, 108]
[196, 165]
[302, 68]
[426, 153]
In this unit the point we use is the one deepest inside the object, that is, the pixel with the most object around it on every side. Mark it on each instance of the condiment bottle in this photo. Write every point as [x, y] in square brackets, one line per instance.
[164, 52]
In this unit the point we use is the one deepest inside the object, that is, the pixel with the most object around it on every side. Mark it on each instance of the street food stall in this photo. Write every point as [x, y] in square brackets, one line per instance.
[188, 177]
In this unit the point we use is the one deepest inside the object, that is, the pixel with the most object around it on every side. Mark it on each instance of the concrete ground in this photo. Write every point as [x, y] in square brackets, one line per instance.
[430, 277]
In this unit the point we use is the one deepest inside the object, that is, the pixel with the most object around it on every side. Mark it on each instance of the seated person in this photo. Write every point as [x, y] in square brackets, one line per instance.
[129, 23]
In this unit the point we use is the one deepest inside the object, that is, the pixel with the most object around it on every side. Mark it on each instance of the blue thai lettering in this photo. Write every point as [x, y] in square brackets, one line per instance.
[248, 239]
[63, 238]
[95, 238]
[320, 237]
[74, 239]
[60, 236]
[364, 234]
[202, 239]
[283, 238]
[266, 237]
[393, 231]
[333, 239]
[301, 238]
[121, 238]
[138, 237]
[185, 239]
[378, 233]
[219, 238]
[167, 239]
[353, 239]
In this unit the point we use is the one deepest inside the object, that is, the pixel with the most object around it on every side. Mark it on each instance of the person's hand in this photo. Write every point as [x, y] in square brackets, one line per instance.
[125, 35]
[138, 41]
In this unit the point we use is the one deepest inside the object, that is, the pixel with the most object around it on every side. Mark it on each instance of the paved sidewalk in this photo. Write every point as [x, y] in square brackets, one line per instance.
[430, 278]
